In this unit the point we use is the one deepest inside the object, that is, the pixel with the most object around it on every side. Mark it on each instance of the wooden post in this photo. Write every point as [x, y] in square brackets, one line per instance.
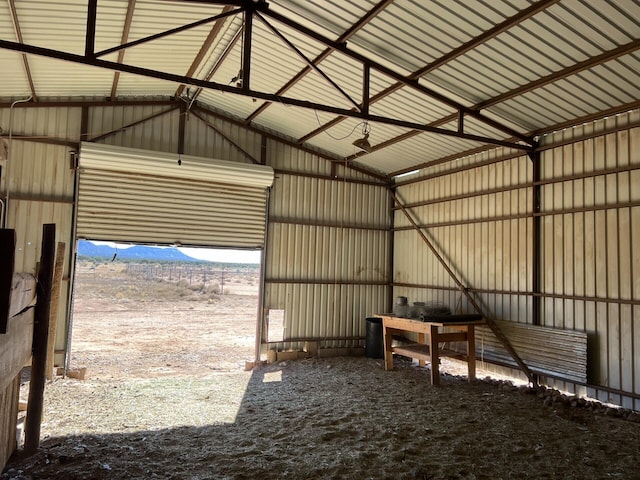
[7, 263]
[40, 336]
[55, 301]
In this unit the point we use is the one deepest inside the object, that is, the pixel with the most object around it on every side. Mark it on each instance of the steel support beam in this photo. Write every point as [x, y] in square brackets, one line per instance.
[536, 238]
[165, 33]
[247, 36]
[25, 60]
[129, 125]
[309, 62]
[222, 134]
[409, 82]
[96, 62]
[324, 54]
[90, 39]
[126, 29]
[206, 45]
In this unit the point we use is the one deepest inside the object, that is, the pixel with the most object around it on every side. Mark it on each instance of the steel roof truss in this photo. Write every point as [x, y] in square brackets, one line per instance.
[361, 23]
[166, 33]
[96, 62]
[413, 83]
[462, 49]
[245, 68]
[90, 40]
[206, 45]
[309, 62]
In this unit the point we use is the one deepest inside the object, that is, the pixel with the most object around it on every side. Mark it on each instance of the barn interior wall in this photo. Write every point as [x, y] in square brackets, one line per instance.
[328, 250]
[327, 253]
[590, 219]
[40, 182]
[327, 256]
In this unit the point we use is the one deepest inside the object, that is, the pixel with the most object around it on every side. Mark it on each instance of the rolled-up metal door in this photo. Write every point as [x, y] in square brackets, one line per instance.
[143, 196]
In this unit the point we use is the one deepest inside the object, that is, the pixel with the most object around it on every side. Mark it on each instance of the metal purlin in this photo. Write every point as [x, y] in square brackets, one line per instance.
[490, 322]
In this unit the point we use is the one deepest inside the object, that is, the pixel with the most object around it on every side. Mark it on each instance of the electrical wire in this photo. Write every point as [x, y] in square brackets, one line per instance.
[364, 123]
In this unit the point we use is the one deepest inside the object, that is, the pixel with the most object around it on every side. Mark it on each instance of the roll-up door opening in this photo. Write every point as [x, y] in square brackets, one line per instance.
[146, 197]
[132, 197]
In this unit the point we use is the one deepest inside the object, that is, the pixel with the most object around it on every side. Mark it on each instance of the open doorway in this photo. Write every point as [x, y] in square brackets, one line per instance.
[152, 312]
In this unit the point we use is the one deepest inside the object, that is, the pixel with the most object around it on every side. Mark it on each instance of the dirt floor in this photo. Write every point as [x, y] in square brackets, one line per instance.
[167, 397]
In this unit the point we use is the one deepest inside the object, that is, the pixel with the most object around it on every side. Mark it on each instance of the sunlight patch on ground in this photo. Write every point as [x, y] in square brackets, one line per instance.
[270, 377]
[75, 407]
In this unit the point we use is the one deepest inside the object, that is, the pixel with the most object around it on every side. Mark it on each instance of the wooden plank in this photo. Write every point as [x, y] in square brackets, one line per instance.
[7, 264]
[435, 359]
[40, 337]
[8, 419]
[53, 315]
[415, 350]
[15, 343]
[15, 347]
[23, 293]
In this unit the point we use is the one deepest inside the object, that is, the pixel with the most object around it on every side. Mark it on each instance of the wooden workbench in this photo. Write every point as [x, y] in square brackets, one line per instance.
[430, 351]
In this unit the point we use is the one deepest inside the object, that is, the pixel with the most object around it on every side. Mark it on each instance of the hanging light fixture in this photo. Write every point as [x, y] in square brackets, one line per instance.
[363, 143]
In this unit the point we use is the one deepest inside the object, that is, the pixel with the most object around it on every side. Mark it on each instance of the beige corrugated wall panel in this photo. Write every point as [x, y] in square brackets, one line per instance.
[328, 201]
[485, 253]
[285, 157]
[41, 190]
[327, 257]
[325, 311]
[592, 253]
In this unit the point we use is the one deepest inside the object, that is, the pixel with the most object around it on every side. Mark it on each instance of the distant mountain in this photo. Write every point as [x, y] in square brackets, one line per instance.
[137, 252]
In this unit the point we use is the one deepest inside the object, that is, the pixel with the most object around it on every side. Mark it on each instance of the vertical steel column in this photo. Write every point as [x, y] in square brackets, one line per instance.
[182, 123]
[390, 253]
[261, 314]
[246, 45]
[73, 249]
[366, 88]
[90, 41]
[536, 239]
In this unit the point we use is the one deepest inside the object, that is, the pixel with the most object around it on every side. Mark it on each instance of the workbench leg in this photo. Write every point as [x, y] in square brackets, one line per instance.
[388, 354]
[471, 352]
[421, 340]
[435, 356]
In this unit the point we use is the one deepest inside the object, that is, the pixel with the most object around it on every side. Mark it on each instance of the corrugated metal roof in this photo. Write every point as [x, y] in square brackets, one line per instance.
[527, 65]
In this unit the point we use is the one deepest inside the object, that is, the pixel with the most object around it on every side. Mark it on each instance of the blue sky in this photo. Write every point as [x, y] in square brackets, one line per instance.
[210, 254]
